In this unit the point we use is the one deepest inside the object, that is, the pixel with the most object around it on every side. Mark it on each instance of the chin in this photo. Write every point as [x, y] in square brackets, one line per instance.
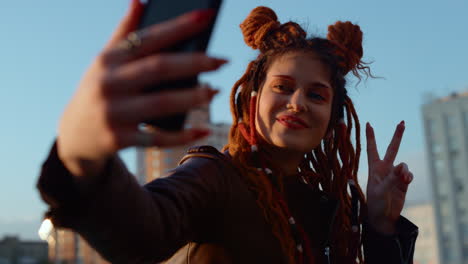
[293, 144]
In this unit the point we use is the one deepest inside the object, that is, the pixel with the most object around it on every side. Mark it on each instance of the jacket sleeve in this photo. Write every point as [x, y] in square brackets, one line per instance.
[128, 223]
[393, 249]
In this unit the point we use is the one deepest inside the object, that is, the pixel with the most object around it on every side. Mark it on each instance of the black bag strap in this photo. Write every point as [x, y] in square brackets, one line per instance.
[208, 152]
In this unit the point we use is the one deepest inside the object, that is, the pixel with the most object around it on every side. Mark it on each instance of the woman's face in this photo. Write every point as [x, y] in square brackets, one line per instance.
[295, 102]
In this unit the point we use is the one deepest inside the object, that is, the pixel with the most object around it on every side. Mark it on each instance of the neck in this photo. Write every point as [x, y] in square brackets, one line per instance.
[287, 160]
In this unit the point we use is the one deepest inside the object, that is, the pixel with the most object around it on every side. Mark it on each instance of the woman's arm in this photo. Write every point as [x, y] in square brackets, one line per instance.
[127, 223]
[85, 183]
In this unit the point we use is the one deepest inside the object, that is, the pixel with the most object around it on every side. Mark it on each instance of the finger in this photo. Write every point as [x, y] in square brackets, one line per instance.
[161, 104]
[372, 153]
[399, 168]
[404, 174]
[163, 139]
[401, 178]
[392, 149]
[135, 76]
[128, 24]
[405, 180]
[394, 178]
[161, 36]
[410, 178]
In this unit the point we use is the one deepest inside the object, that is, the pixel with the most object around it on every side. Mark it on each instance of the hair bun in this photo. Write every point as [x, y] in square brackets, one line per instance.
[348, 38]
[259, 23]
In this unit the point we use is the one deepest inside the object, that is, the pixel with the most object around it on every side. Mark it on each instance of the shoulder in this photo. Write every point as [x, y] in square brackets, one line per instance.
[202, 164]
[206, 152]
[205, 157]
[205, 173]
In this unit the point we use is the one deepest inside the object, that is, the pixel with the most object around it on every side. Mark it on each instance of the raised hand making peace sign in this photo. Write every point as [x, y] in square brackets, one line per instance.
[387, 184]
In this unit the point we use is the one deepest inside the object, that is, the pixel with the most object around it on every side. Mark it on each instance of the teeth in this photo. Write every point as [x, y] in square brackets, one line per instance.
[293, 122]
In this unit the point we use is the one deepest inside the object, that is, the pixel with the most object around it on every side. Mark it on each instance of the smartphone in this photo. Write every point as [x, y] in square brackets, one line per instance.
[157, 11]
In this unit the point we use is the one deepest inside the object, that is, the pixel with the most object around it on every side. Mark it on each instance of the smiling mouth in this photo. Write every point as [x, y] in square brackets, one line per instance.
[292, 122]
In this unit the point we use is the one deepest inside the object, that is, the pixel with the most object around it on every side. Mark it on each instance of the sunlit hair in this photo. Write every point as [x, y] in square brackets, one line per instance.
[331, 164]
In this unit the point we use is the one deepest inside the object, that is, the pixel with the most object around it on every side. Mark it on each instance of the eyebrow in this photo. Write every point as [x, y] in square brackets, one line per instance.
[285, 77]
[320, 84]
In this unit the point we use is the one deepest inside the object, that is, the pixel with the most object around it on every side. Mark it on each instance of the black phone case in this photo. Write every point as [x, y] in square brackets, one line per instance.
[157, 11]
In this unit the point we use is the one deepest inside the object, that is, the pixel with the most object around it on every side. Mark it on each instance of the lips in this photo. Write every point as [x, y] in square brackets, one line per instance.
[292, 122]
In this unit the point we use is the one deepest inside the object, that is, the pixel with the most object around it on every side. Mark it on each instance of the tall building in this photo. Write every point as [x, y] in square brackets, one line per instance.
[67, 247]
[13, 250]
[446, 135]
[155, 162]
[426, 250]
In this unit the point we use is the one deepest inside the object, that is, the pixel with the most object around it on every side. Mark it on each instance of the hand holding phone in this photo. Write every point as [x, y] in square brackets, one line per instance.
[157, 11]
[109, 104]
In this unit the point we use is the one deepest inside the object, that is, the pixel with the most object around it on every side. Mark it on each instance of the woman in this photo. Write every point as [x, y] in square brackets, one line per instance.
[279, 194]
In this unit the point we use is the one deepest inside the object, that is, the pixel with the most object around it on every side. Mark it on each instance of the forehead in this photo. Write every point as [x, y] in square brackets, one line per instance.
[303, 66]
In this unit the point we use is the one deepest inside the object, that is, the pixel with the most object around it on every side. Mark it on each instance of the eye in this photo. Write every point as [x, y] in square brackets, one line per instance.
[282, 88]
[315, 96]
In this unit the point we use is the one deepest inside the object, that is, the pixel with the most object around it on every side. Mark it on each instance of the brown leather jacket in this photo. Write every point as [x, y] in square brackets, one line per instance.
[202, 212]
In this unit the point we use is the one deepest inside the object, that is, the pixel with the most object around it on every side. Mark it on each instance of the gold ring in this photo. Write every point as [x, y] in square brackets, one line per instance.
[131, 42]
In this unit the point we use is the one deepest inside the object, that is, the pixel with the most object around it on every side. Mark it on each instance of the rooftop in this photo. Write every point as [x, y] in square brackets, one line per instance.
[453, 95]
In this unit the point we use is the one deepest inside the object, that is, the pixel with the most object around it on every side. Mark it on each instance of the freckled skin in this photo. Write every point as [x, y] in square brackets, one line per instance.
[301, 80]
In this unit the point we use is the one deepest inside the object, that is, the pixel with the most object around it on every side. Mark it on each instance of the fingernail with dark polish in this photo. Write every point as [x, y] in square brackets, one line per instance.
[199, 133]
[201, 16]
[211, 93]
[136, 4]
[220, 62]
[402, 122]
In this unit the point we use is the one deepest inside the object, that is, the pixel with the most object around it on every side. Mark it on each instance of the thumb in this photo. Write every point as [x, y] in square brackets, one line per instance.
[129, 23]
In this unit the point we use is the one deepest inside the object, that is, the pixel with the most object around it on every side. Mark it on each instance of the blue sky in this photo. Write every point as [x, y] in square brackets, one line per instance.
[419, 47]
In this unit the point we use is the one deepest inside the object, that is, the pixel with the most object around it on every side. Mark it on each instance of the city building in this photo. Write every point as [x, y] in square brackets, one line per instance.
[156, 162]
[446, 135]
[15, 251]
[67, 247]
[422, 215]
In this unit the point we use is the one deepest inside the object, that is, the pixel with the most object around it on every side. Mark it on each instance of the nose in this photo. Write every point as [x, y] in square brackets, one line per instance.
[297, 102]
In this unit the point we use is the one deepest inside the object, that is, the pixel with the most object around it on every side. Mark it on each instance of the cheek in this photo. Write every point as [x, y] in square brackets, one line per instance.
[321, 116]
[266, 115]
[326, 117]
[267, 107]
[262, 119]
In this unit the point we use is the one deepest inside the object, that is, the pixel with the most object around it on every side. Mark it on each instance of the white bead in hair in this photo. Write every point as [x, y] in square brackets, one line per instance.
[254, 148]
[292, 221]
[268, 171]
[299, 247]
[253, 93]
